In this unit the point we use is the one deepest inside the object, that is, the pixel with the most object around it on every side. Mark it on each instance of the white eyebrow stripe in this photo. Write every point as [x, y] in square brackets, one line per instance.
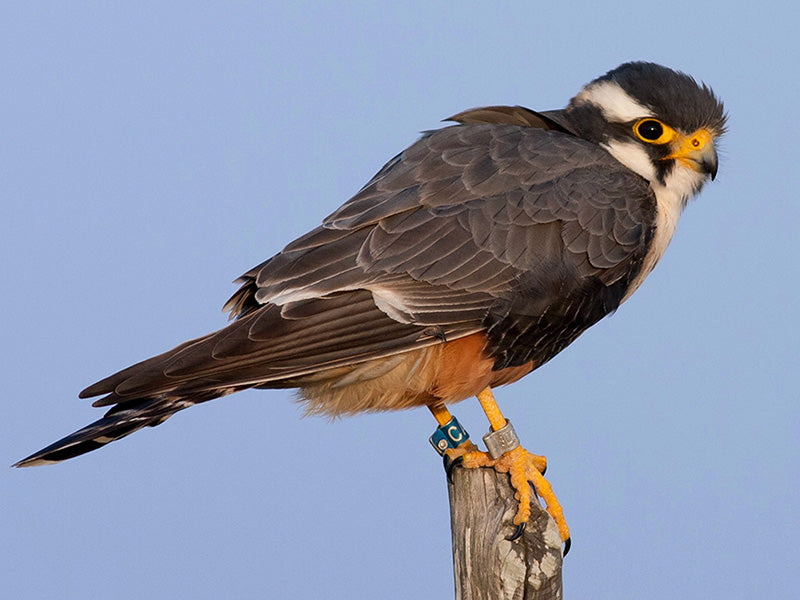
[614, 102]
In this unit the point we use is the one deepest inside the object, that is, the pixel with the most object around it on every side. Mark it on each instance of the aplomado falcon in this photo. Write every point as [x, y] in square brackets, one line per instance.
[469, 260]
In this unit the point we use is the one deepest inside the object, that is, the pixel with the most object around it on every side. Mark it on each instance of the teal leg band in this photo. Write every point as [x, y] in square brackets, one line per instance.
[447, 436]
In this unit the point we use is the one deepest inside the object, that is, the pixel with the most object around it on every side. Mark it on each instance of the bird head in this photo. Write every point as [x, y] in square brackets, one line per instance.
[658, 122]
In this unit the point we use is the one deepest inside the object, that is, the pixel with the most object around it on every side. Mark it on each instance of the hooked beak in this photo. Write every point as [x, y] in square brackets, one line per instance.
[697, 152]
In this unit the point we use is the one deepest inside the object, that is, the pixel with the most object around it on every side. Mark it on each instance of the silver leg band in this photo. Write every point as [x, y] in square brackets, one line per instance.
[501, 441]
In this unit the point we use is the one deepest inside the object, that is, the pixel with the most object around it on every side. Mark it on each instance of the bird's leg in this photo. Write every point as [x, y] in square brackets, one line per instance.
[450, 434]
[507, 456]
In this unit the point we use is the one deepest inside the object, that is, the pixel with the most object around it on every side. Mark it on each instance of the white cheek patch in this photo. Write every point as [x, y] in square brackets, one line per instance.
[682, 182]
[614, 102]
[633, 156]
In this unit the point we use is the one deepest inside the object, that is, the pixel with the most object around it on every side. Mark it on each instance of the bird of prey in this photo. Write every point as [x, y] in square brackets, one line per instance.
[470, 259]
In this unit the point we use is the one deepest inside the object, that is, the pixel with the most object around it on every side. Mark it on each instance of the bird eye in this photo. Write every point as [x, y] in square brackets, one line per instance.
[649, 129]
[653, 131]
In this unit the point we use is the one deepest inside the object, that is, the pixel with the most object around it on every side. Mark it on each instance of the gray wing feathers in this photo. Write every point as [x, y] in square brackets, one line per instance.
[467, 207]
[441, 234]
[272, 344]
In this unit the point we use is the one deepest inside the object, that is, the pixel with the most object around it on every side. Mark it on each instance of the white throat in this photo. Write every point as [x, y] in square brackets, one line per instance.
[671, 197]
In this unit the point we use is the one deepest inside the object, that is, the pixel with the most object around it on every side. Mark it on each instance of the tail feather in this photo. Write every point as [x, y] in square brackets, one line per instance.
[116, 424]
[273, 346]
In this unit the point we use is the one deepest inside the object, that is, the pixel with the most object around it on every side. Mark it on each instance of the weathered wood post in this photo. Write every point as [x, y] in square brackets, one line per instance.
[487, 565]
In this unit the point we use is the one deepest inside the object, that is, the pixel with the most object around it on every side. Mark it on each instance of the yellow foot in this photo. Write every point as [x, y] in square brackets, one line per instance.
[523, 468]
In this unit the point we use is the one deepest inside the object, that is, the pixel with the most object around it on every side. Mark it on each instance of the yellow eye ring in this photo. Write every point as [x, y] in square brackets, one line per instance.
[653, 131]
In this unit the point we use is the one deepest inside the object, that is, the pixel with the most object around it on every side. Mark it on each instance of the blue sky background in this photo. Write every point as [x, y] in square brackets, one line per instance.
[150, 153]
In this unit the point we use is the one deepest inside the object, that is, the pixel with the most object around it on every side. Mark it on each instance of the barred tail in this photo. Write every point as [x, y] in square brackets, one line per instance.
[120, 421]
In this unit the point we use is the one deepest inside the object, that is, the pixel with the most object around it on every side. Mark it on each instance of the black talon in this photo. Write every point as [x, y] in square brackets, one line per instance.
[450, 464]
[567, 545]
[517, 532]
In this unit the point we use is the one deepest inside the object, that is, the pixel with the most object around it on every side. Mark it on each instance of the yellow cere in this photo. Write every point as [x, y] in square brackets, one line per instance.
[691, 144]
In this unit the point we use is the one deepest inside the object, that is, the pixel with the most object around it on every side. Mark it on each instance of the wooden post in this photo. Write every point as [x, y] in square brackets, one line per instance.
[487, 565]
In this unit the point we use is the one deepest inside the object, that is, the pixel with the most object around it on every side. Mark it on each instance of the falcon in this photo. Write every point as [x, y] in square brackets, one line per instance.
[470, 259]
